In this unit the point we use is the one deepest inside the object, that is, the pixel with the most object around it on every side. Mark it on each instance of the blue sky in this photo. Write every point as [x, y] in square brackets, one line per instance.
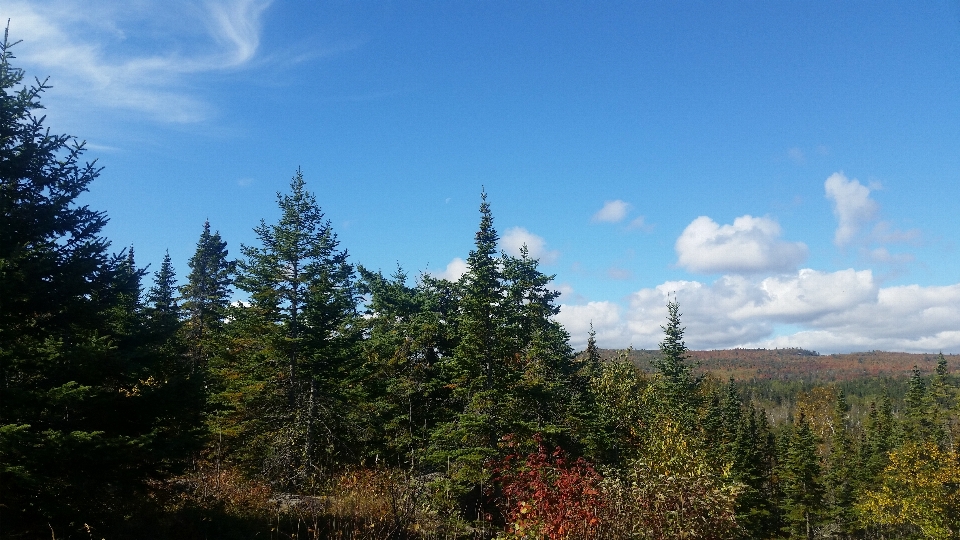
[790, 170]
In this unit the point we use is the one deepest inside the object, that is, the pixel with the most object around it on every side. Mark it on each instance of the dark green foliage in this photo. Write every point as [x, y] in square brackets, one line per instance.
[206, 296]
[753, 459]
[921, 421]
[321, 421]
[680, 385]
[839, 477]
[304, 297]
[408, 332]
[801, 482]
[90, 409]
[878, 440]
[161, 297]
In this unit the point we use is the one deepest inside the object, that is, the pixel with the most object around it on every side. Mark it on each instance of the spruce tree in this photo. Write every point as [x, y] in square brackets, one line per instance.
[206, 296]
[801, 482]
[88, 407]
[477, 359]
[878, 440]
[921, 419]
[680, 386]
[839, 481]
[162, 296]
[299, 281]
[406, 337]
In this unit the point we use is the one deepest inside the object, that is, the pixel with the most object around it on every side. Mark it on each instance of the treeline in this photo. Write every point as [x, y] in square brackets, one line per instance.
[334, 401]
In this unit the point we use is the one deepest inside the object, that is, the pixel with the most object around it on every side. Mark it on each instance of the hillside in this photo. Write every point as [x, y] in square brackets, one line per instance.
[799, 364]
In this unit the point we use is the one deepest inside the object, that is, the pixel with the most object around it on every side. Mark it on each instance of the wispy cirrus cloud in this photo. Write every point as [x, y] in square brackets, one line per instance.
[137, 56]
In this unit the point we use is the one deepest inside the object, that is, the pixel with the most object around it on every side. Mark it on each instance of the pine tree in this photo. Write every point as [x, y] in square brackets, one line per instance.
[511, 373]
[476, 369]
[752, 466]
[591, 356]
[88, 412]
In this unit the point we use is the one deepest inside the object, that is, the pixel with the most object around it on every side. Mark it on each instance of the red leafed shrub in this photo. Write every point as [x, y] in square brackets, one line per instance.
[548, 496]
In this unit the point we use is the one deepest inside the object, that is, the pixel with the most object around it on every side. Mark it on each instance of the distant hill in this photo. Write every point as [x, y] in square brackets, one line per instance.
[798, 364]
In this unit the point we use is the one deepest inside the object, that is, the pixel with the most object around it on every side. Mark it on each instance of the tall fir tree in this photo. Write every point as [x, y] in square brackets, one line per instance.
[407, 335]
[476, 367]
[878, 440]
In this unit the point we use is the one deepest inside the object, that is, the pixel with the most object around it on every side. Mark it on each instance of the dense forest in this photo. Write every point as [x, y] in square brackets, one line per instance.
[290, 393]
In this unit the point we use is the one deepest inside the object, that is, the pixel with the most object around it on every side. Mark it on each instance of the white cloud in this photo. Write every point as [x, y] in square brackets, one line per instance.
[103, 54]
[455, 268]
[605, 316]
[749, 245]
[612, 212]
[837, 312]
[851, 204]
[517, 237]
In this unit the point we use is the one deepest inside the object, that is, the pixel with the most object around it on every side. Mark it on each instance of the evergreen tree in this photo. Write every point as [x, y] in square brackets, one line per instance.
[89, 410]
[839, 478]
[407, 334]
[878, 440]
[206, 295]
[511, 373]
[801, 482]
[921, 418]
[161, 298]
[477, 369]
[680, 386]
[300, 282]
[752, 466]
[591, 355]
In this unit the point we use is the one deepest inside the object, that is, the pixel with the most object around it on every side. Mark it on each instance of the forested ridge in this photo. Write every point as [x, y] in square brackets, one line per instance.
[281, 390]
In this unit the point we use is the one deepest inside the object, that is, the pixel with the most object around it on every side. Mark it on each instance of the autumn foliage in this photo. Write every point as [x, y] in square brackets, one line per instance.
[546, 495]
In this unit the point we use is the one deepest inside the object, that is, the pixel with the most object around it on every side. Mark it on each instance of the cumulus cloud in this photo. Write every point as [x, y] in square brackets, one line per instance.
[97, 52]
[606, 320]
[514, 239]
[851, 204]
[749, 245]
[455, 268]
[612, 212]
[837, 312]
